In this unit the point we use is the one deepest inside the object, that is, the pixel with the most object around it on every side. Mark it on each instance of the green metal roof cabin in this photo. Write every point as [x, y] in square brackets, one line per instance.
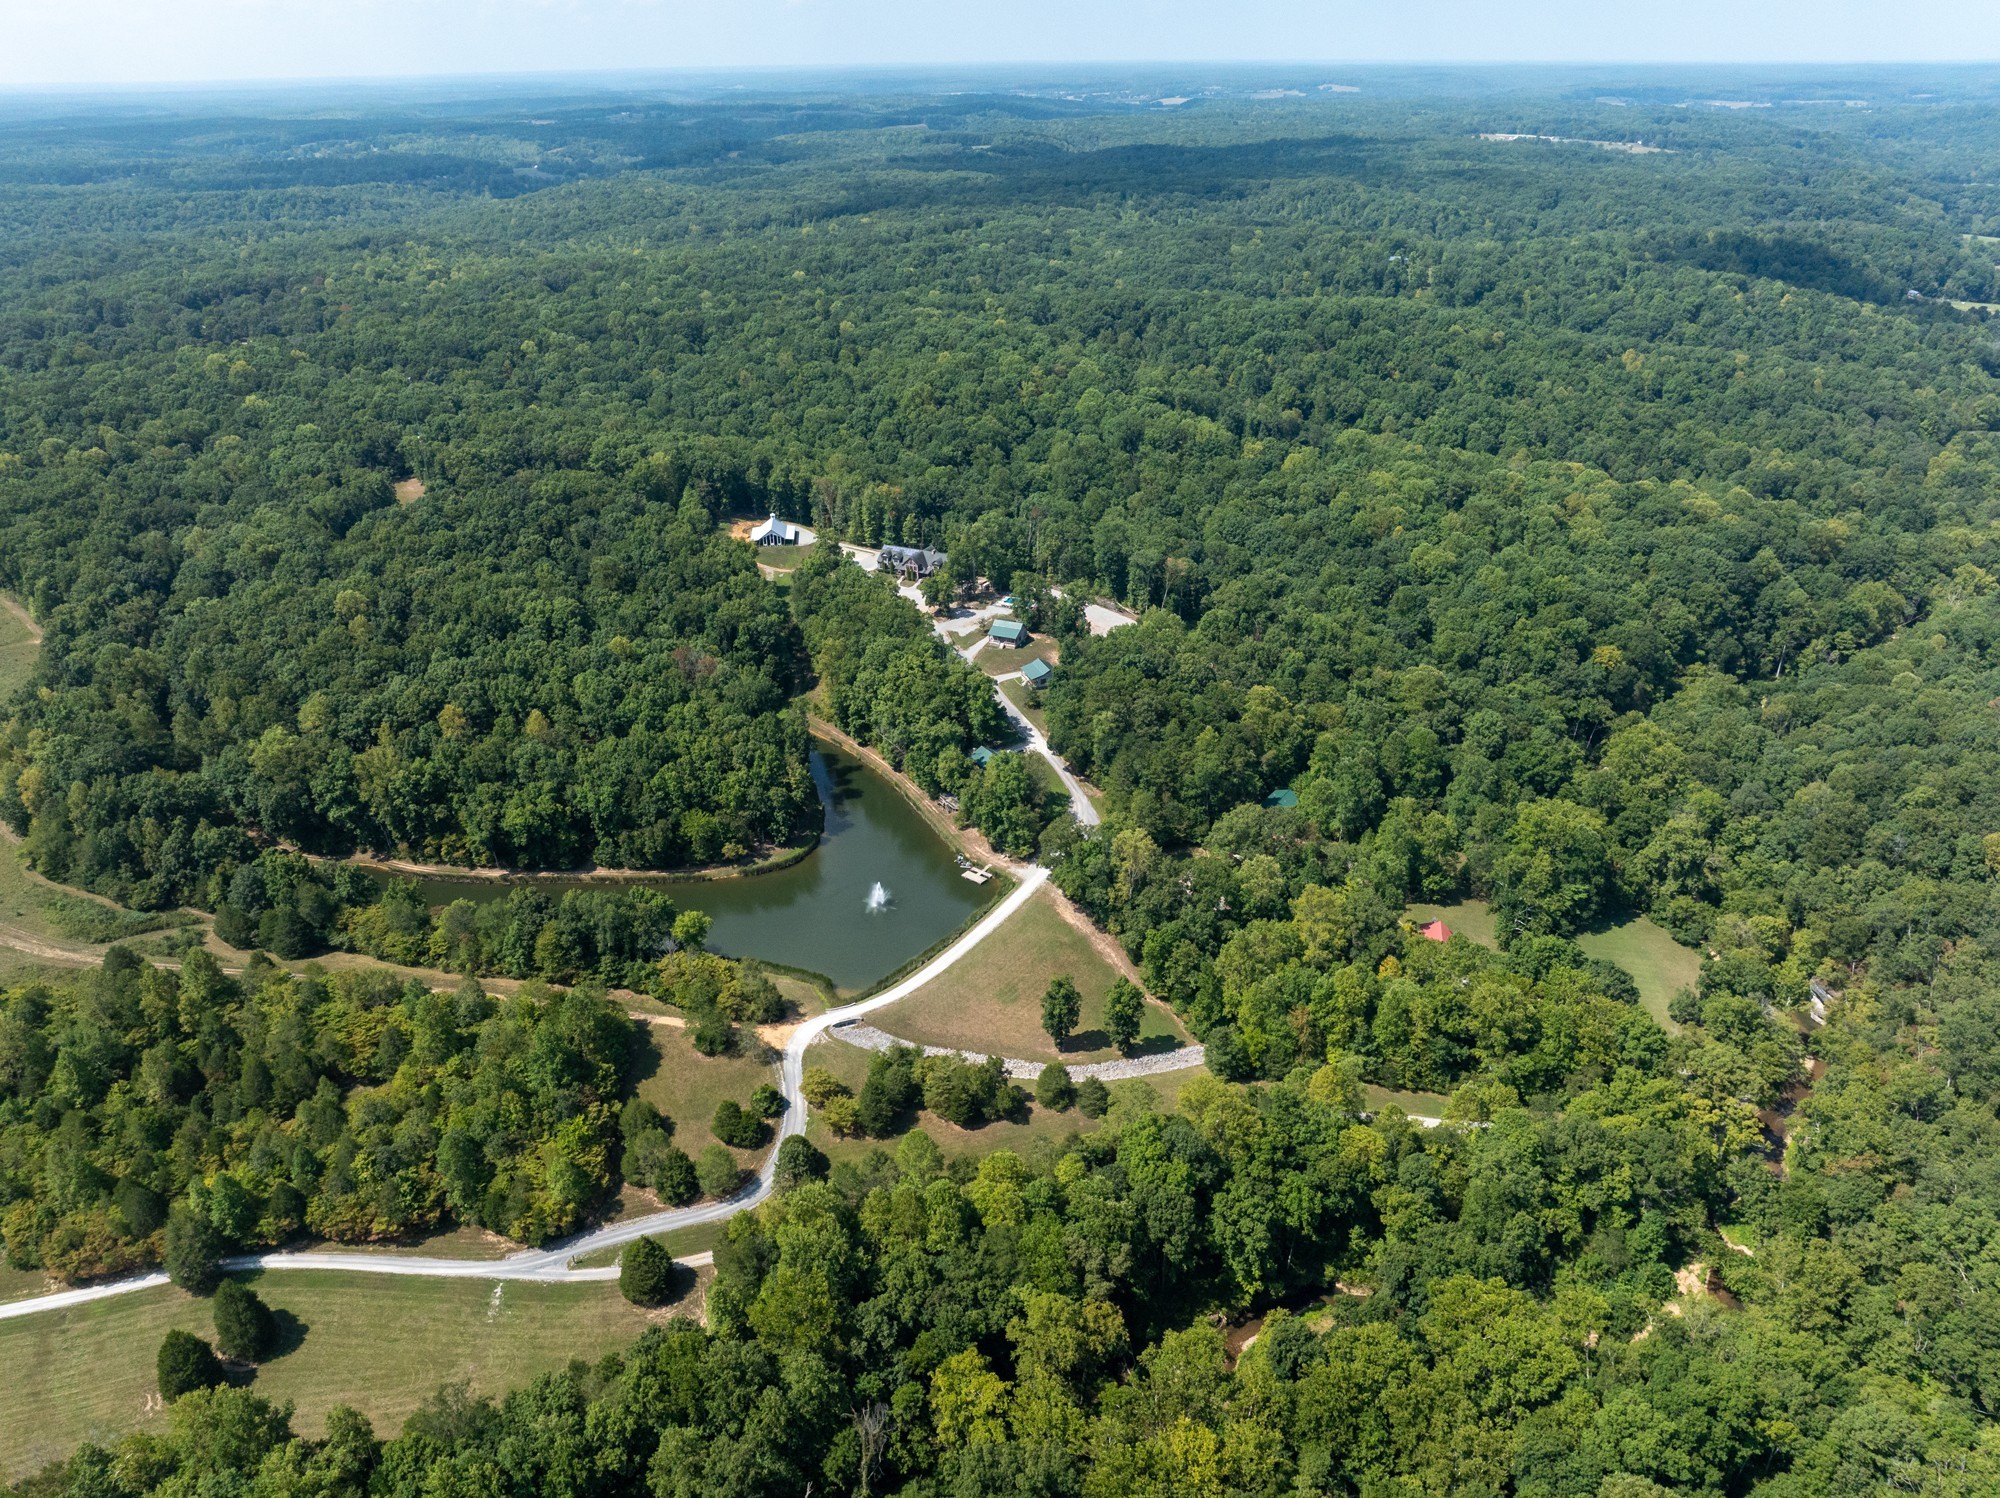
[1036, 673]
[981, 755]
[1007, 631]
[1285, 799]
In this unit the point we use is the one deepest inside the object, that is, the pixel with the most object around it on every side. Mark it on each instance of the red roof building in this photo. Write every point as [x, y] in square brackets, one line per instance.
[1436, 931]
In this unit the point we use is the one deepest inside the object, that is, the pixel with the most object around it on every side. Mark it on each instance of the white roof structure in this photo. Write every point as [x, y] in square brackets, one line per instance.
[776, 532]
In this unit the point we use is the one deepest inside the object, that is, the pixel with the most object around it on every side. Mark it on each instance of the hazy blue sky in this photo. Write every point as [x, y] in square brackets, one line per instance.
[73, 41]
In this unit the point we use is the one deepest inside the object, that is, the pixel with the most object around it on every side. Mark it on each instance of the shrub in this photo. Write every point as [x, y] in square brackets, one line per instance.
[1093, 1098]
[185, 1363]
[843, 1115]
[1053, 1088]
[798, 1162]
[718, 1172]
[193, 1251]
[89, 1245]
[646, 1273]
[736, 1126]
[767, 1101]
[822, 1086]
[674, 1177]
[244, 1326]
[890, 1091]
[713, 1035]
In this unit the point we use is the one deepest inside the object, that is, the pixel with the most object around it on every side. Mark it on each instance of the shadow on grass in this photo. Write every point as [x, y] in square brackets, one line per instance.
[288, 1335]
[1097, 1040]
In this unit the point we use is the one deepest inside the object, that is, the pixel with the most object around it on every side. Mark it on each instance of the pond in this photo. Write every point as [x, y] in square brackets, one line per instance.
[880, 889]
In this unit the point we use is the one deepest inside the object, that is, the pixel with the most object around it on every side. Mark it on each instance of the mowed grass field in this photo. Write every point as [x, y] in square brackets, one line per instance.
[19, 1284]
[380, 1343]
[1416, 1104]
[785, 557]
[25, 905]
[1026, 698]
[686, 1085]
[1659, 965]
[1468, 918]
[998, 660]
[991, 1001]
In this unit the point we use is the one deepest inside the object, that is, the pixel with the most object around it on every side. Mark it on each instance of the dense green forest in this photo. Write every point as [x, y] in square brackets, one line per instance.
[352, 1107]
[1593, 532]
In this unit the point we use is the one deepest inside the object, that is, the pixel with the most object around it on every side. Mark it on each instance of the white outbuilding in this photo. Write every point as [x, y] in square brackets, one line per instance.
[776, 532]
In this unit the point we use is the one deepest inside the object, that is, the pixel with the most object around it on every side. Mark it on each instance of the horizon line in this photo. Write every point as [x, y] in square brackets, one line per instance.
[1048, 66]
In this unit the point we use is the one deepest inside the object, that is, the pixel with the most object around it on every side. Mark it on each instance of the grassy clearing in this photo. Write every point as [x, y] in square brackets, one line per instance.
[686, 1085]
[1661, 966]
[1027, 699]
[998, 660]
[1424, 1104]
[22, 967]
[18, 649]
[1044, 774]
[19, 1284]
[380, 1343]
[785, 557]
[1469, 918]
[991, 1002]
[1160, 1094]
[807, 998]
[77, 927]
[24, 903]
[701, 1238]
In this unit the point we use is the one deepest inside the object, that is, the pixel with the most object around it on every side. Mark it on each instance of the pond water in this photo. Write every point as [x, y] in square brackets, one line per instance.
[880, 888]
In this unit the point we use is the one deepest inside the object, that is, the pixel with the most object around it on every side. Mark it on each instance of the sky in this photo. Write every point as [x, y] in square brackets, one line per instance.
[59, 42]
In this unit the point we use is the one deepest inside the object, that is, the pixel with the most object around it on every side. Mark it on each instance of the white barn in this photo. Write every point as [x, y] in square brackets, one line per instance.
[776, 532]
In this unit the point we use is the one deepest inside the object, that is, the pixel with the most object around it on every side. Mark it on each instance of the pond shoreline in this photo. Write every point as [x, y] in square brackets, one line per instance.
[771, 863]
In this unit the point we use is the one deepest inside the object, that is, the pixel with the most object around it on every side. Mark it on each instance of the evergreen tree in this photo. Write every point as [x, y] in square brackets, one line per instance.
[244, 1326]
[718, 1172]
[1093, 1098]
[798, 1161]
[1053, 1088]
[193, 1251]
[185, 1363]
[674, 1177]
[646, 1273]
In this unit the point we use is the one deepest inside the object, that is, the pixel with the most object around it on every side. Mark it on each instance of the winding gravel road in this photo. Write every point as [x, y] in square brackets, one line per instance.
[552, 1265]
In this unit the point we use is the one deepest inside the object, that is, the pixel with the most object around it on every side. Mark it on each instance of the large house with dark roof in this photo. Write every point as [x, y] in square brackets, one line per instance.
[913, 562]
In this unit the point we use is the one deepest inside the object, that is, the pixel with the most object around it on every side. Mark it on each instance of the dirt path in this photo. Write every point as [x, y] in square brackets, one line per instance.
[13, 606]
[51, 949]
[1102, 942]
[776, 858]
